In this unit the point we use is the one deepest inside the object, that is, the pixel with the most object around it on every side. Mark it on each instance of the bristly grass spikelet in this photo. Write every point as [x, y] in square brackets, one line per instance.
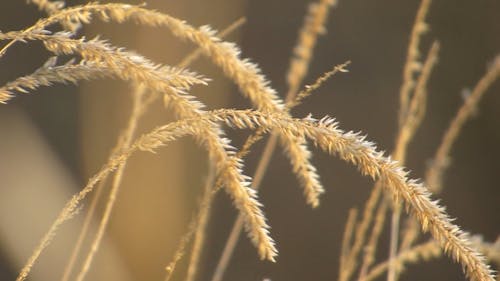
[73, 58]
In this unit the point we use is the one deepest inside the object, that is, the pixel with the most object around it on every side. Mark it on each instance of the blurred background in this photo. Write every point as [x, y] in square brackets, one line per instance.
[53, 140]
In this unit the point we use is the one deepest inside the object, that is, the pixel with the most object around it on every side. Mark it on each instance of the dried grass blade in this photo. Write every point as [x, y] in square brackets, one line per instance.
[49, 74]
[245, 74]
[424, 251]
[352, 148]
[348, 235]
[434, 173]
[412, 64]
[313, 26]
[413, 119]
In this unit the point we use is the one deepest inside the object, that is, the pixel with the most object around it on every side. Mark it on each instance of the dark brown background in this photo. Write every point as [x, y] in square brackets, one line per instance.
[374, 36]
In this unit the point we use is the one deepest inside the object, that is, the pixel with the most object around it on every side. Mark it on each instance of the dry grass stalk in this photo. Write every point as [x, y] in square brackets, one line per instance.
[69, 72]
[430, 250]
[434, 174]
[425, 251]
[238, 224]
[50, 73]
[415, 110]
[371, 246]
[245, 74]
[201, 225]
[244, 199]
[347, 236]
[68, 269]
[349, 147]
[352, 148]
[186, 61]
[125, 141]
[208, 193]
[226, 55]
[405, 134]
[70, 207]
[140, 102]
[412, 63]
[125, 65]
[139, 106]
[314, 25]
[128, 66]
[309, 89]
[228, 169]
[440, 160]
[49, 7]
[273, 116]
[351, 260]
[417, 106]
[410, 234]
[68, 210]
[148, 143]
[297, 150]
[181, 249]
[413, 119]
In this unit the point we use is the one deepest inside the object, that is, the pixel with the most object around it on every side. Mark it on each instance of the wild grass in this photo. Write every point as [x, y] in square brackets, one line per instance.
[393, 189]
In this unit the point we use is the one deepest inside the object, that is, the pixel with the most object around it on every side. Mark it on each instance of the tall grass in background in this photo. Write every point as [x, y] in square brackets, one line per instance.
[395, 192]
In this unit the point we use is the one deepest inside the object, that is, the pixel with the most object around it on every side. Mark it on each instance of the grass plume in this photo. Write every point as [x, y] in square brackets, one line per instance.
[76, 58]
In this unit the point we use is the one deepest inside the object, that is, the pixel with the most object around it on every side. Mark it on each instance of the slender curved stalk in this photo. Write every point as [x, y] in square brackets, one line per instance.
[139, 107]
[201, 225]
[312, 28]
[83, 233]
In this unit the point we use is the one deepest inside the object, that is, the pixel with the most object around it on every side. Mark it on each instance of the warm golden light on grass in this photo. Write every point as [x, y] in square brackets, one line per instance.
[152, 83]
